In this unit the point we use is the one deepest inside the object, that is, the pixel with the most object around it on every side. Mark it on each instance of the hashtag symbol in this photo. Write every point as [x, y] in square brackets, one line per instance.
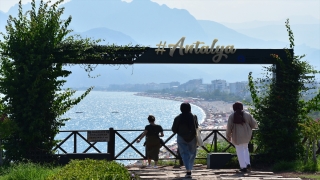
[161, 47]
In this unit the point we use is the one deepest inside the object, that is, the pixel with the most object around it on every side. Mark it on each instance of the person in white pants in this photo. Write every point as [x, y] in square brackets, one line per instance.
[239, 132]
[243, 156]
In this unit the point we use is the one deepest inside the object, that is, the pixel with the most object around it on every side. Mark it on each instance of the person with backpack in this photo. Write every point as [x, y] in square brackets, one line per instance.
[152, 143]
[239, 132]
[185, 125]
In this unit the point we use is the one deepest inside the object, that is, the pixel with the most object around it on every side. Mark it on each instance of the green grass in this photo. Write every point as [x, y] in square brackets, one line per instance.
[27, 171]
[297, 166]
[76, 169]
[92, 169]
[310, 176]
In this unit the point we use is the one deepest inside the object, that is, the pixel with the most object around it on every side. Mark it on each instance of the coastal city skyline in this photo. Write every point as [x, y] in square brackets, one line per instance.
[196, 85]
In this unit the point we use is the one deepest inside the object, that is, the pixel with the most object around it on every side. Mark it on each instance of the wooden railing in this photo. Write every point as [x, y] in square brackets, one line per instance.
[111, 144]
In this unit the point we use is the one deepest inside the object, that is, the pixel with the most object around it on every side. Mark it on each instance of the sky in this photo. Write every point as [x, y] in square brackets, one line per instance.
[238, 10]
[230, 11]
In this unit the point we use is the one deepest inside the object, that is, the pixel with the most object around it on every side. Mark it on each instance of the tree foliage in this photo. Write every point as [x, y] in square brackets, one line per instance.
[311, 132]
[35, 46]
[279, 107]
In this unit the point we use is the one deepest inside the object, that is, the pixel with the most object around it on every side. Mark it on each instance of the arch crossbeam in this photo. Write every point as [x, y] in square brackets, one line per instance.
[148, 55]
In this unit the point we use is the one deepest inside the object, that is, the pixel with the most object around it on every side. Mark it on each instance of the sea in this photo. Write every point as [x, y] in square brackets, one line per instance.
[101, 110]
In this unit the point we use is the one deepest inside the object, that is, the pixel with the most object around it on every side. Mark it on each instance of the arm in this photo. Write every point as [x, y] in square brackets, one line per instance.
[252, 122]
[229, 128]
[175, 125]
[161, 134]
[142, 135]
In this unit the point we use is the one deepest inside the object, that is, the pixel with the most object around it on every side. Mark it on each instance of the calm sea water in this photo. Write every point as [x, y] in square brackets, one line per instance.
[96, 112]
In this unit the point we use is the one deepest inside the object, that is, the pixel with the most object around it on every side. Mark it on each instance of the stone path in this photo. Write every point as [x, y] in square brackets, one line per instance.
[201, 172]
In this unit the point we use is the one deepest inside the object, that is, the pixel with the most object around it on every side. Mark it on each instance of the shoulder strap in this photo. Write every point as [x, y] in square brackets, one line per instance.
[194, 121]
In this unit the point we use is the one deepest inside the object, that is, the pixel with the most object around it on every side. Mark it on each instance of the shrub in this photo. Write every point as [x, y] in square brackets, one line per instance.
[92, 169]
[297, 166]
[27, 171]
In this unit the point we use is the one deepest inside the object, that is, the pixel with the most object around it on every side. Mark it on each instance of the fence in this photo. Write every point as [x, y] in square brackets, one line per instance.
[130, 142]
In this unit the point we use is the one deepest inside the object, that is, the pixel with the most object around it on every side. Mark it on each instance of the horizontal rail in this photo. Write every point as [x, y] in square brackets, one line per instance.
[172, 154]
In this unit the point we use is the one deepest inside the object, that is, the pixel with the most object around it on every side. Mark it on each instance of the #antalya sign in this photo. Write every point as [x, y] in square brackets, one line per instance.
[217, 51]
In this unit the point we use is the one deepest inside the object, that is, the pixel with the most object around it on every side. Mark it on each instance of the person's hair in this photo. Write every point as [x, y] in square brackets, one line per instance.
[237, 106]
[238, 113]
[185, 107]
[151, 118]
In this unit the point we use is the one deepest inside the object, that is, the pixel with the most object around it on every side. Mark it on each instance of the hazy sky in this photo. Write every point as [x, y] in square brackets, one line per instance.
[230, 10]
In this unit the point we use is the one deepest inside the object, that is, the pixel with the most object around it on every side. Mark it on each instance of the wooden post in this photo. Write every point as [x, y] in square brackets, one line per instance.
[111, 143]
[74, 141]
[215, 141]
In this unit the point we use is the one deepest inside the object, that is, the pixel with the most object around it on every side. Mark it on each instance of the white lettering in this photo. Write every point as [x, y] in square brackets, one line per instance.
[212, 50]
[188, 49]
[229, 49]
[218, 51]
[219, 54]
[174, 46]
[204, 50]
[196, 50]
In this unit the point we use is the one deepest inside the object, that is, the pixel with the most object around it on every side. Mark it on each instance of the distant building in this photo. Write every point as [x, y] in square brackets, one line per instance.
[191, 85]
[239, 88]
[220, 85]
[203, 88]
[174, 84]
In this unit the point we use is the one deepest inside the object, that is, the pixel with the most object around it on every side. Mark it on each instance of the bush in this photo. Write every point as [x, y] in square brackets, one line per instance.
[26, 171]
[92, 169]
[297, 166]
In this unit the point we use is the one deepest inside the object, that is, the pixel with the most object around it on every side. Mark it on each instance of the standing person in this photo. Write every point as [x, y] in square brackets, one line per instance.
[184, 125]
[152, 132]
[239, 132]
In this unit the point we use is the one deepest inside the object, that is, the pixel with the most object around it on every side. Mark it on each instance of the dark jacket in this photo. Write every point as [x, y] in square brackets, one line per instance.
[184, 125]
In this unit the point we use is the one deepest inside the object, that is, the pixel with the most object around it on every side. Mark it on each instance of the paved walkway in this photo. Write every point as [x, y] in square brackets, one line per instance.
[201, 172]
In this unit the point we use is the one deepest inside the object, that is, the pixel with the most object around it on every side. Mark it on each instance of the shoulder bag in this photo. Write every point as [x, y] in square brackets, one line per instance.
[198, 134]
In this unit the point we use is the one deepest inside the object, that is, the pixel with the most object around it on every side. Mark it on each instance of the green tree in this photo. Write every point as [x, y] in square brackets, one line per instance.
[311, 131]
[279, 107]
[35, 46]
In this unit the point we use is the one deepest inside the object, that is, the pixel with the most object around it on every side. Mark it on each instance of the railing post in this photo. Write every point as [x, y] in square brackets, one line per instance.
[215, 141]
[74, 142]
[111, 143]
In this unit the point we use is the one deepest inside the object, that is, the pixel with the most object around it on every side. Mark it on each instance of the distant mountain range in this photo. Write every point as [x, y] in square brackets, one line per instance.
[147, 23]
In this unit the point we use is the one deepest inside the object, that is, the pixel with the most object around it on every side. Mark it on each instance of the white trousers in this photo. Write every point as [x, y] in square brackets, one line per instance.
[243, 155]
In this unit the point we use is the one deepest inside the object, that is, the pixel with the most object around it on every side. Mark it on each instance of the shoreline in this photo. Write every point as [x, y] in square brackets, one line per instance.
[211, 109]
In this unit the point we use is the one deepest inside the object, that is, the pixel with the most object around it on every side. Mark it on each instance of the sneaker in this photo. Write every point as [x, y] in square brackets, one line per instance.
[149, 166]
[155, 167]
[249, 167]
[188, 175]
[243, 170]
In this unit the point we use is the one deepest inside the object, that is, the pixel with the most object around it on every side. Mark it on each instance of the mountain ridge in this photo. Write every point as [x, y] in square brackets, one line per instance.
[147, 23]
